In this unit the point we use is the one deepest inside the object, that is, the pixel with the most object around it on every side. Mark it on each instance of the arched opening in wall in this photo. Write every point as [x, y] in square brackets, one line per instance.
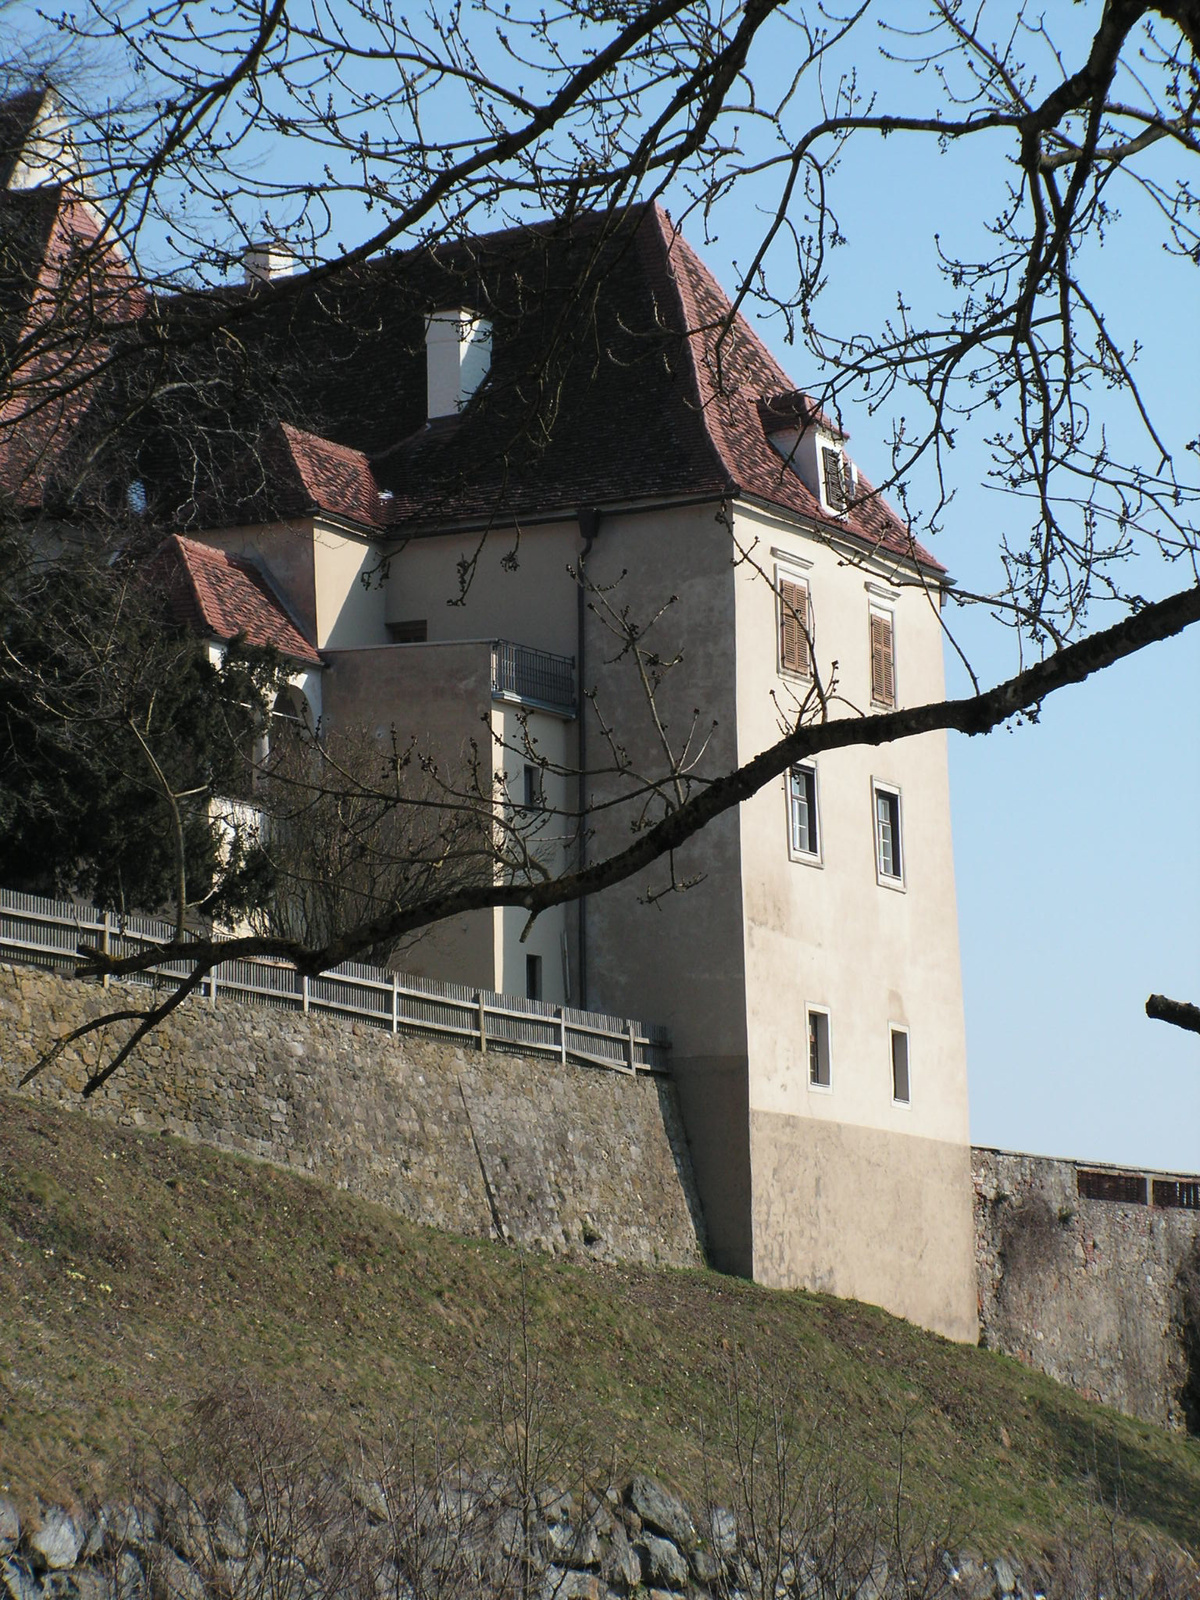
[1187, 1323]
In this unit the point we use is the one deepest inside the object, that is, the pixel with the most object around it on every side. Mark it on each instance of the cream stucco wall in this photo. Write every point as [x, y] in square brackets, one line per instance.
[319, 572]
[680, 959]
[437, 696]
[840, 1173]
[840, 1189]
[520, 738]
[521, 588]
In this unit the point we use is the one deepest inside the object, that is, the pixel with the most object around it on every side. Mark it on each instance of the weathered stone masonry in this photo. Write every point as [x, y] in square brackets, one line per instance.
[1100, 1294]
[559, 1157]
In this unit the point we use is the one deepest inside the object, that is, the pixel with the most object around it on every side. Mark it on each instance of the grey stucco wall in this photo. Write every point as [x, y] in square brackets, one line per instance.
[1098, 1294]
[558, 1157]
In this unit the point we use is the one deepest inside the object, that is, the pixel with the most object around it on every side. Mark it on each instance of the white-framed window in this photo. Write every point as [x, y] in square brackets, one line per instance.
[901, 1074]
[804, 826]
[795, 624]
[889, 845]
[883, 657]
[820, 1061]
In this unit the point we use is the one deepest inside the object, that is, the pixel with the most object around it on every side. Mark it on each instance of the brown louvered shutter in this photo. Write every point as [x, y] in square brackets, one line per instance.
[835, 484]
[883, 669]
[793, 623]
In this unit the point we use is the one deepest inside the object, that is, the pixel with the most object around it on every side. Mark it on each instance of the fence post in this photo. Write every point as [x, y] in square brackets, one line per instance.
[395, 1003]
[304, 994]
[632, 1046]
[212, 987]
[562, 1035]
[482, 1023]
[105, 933]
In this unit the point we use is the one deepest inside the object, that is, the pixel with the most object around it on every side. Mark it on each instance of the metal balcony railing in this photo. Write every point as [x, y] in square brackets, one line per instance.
[534, 676]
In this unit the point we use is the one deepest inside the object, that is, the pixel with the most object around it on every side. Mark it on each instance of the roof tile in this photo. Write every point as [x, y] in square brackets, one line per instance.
[212, 591]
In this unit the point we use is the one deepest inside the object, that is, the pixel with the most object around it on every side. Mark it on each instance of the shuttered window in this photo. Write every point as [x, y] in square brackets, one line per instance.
[883, 659]
[834, 480]
[794, 653]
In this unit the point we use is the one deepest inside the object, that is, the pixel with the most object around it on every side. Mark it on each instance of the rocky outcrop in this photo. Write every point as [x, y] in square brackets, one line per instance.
[474, 1540]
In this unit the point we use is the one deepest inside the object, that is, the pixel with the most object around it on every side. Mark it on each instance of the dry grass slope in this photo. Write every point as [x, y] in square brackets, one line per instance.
[138, 1274]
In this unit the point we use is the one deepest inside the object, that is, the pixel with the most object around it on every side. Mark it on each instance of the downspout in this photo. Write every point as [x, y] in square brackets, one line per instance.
[588, 518]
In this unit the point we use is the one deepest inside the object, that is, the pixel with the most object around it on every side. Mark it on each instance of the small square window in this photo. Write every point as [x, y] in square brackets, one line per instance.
[415, 631]
[889, 859]
[820, 1072]
[803, 828]
[901, 1091]
[533, 977]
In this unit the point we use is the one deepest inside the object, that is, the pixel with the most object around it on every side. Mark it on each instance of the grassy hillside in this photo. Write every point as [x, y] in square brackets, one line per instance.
[138, 1273]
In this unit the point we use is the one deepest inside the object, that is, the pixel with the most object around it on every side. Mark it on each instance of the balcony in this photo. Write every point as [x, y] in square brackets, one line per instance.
[533, 677]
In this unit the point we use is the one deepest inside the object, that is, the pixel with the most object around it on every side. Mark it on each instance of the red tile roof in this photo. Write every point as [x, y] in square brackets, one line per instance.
[214, 592]
[744, 394]
[64, 292]
[331, 476]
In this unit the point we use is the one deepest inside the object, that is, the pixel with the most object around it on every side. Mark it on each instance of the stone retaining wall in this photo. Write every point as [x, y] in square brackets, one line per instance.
[1102, 1295]
[520, 1147]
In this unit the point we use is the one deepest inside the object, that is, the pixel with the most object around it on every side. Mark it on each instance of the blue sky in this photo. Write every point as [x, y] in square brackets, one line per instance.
[1077, 841]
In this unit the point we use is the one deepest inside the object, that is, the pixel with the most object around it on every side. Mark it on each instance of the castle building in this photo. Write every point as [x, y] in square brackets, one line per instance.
[542, 495]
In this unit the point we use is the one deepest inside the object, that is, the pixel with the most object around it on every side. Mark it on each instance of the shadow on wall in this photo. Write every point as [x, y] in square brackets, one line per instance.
[682, 1157]
[1187, 1322]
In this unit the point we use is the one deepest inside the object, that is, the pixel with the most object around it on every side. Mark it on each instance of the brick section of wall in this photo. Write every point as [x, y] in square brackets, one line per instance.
[1093, 1292]
[558, 1157]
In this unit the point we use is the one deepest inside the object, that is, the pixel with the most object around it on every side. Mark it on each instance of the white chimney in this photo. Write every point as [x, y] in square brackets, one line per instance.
[266, 260]
[458, 353]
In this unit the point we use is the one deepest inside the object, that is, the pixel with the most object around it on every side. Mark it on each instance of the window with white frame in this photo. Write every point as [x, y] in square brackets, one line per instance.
[889, 850]
[883, 657]
[820, 1068]
[901, 1084]
[804, 833]
[795, 627]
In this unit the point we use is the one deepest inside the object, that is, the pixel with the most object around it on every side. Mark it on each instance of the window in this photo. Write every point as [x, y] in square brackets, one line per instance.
[803, 833]
[819, 1071]
[533, 794]
[889, 860]
[413, 632]
[832, 478]
[533, 977]
[794, 626]
[900, 1084]
[883, 658]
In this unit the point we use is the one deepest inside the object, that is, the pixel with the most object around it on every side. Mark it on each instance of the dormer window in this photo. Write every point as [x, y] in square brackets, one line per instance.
[833, 479]
[812, 446]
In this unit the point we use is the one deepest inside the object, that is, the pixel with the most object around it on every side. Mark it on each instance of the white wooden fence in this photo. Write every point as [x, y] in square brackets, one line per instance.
[47, 933]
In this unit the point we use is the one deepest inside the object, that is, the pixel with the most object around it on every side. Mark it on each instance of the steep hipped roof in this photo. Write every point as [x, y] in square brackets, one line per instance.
[290, 472]
[616, 376]
[212, 592]
[65, 290]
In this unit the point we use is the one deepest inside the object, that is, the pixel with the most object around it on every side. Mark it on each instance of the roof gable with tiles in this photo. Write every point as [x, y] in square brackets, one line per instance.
[213, 592]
